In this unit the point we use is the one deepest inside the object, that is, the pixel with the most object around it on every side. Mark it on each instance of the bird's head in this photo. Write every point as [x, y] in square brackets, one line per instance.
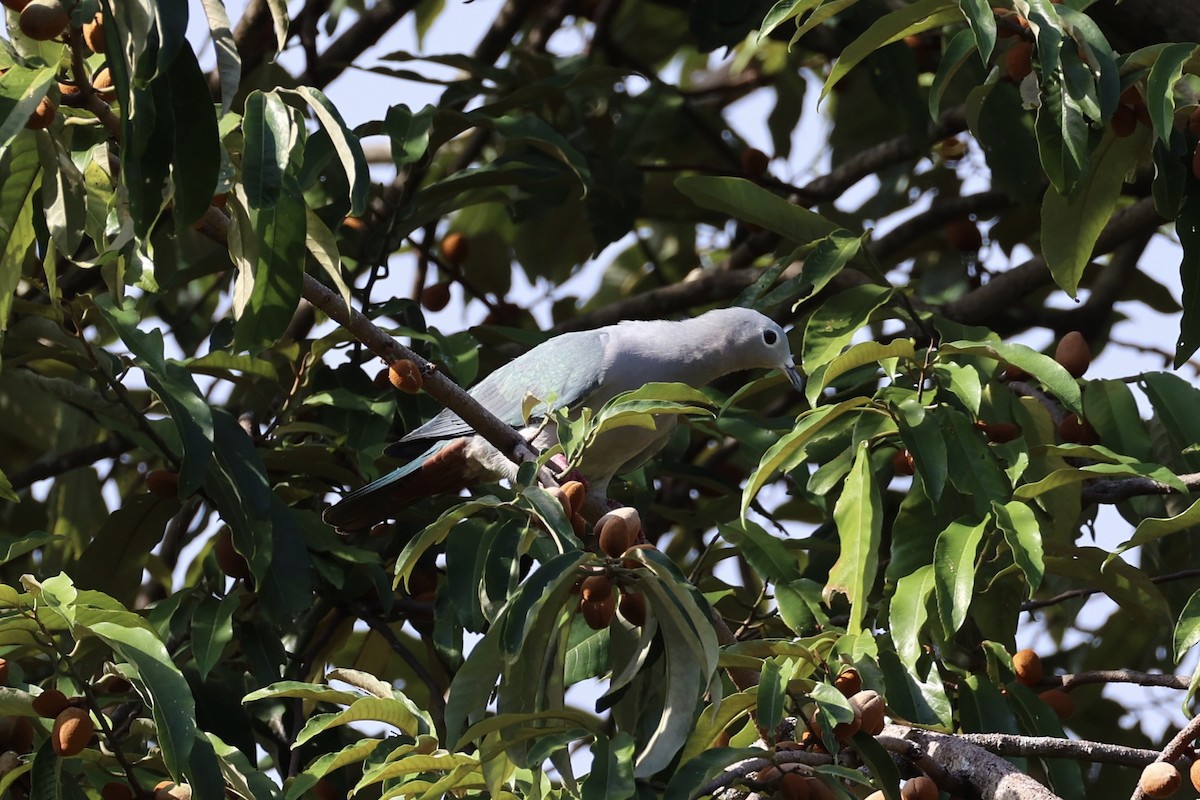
[756, 340]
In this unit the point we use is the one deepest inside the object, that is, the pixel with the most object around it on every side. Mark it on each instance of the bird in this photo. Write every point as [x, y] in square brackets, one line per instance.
[572, 371]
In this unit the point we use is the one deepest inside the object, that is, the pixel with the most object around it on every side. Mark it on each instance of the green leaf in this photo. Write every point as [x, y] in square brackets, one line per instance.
[1023, 534]
[1109, 406]
[408, 133]
[19, 164]
[534, 596]
[921, 432]
[1127, 586]
[749, 202]
[859, 518]
[862, 354]
[879, 763]
[268, 284]
[1187, 228]
[832, 326]
[957, 55]
[819, 267]
[113, 561]
[271, 146]
[1187, 629]
[611, 777]
[375, 709]
[171, 700]
[1071, 223]
[21, 89]
[321, 243]
[791, 449]
[766, 554]
[317, 692]
[212, 629]
[693, 774]
[1160, 87]
[907, 612]
[954, 557]
[197, 145]
[771, 699]
[1060, 127]
[174, 386]
[921, 16]
[973, 468]
[1049, 372]
[345, 143]
[983, 26]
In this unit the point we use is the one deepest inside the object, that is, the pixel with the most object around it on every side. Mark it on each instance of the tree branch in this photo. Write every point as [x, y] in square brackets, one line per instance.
[72, 459]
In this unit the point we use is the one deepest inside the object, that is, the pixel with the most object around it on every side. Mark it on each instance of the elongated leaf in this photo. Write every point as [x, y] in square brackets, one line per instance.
[190, 413]
[323, 246]
[390, 712]
[1187, 629]
[611, 777]
[771, 698]
[1187, 227]
[212, 629]
[21, 89]
[983, 25]
[1072, 223]
[345, 143]
[859, 518]
[318, 692]
[229, 63]
[834, 324]
[1160, 85]
[918, 17]
[113, 561]
[172, 705]
[791, 450]
[1024, 536]
[1051, 374]
[865, 353]
[921, 432]
[197, 145]
[821, 265]
[19, 164]
[908, 611]
[954, 572]
[269, 292]
[749, 202]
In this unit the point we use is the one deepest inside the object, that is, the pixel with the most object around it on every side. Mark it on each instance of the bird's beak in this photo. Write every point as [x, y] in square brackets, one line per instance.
[795, 377]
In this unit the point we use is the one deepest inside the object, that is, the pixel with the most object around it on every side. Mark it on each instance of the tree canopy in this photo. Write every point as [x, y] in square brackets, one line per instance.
[207, 278]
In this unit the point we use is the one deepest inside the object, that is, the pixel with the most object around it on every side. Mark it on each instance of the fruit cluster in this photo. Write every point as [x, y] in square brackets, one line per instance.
[616, 533]
[46, 20]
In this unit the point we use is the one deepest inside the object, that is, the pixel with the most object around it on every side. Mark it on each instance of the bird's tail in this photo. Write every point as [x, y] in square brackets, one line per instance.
[441, 468]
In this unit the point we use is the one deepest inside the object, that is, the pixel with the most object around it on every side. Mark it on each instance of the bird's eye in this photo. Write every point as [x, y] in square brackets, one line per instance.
[770, 337]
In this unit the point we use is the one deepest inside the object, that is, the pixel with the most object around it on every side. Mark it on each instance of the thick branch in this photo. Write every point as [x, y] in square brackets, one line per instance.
[989, 774]
[65, 462]
[1175, 749]
[1114, 490]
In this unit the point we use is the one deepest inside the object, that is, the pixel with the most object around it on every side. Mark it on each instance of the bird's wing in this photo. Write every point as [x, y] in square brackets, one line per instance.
[563, 370]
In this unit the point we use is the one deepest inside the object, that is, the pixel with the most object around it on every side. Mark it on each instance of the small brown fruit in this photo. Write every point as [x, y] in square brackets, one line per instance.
[596, 587]
[231, 562]
[67, 90]
[615, 537]
[963, 235]
[1077, 431]
[1074, 354]
[1062, 703]
[1028, 667]
[1124, 121]
[903, 464]
[919, 788]
[794, 786]
[4, 671]
[43, 115]
[1001, 432]
[1018, 61]
[50, 703]
[406, 376]
[1194, 774]
[16, 734]
[848, 682]
[577, 494]
[754, 163]
[43, 19]
[169, 790]
[163, 483]
[870, 707]
[876, 795]
[102, 83]
[633, 607]
[455, 248]
[563, 500]
[93, 33]
[842, 731]
[436, 296]
[325, 790]
[578, 526]
[1160, 779]
[72, 731]
[115, 790]
[598, 613]
[354, 224]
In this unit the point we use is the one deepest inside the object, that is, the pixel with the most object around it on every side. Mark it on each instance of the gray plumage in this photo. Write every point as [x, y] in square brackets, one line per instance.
[574, 371]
